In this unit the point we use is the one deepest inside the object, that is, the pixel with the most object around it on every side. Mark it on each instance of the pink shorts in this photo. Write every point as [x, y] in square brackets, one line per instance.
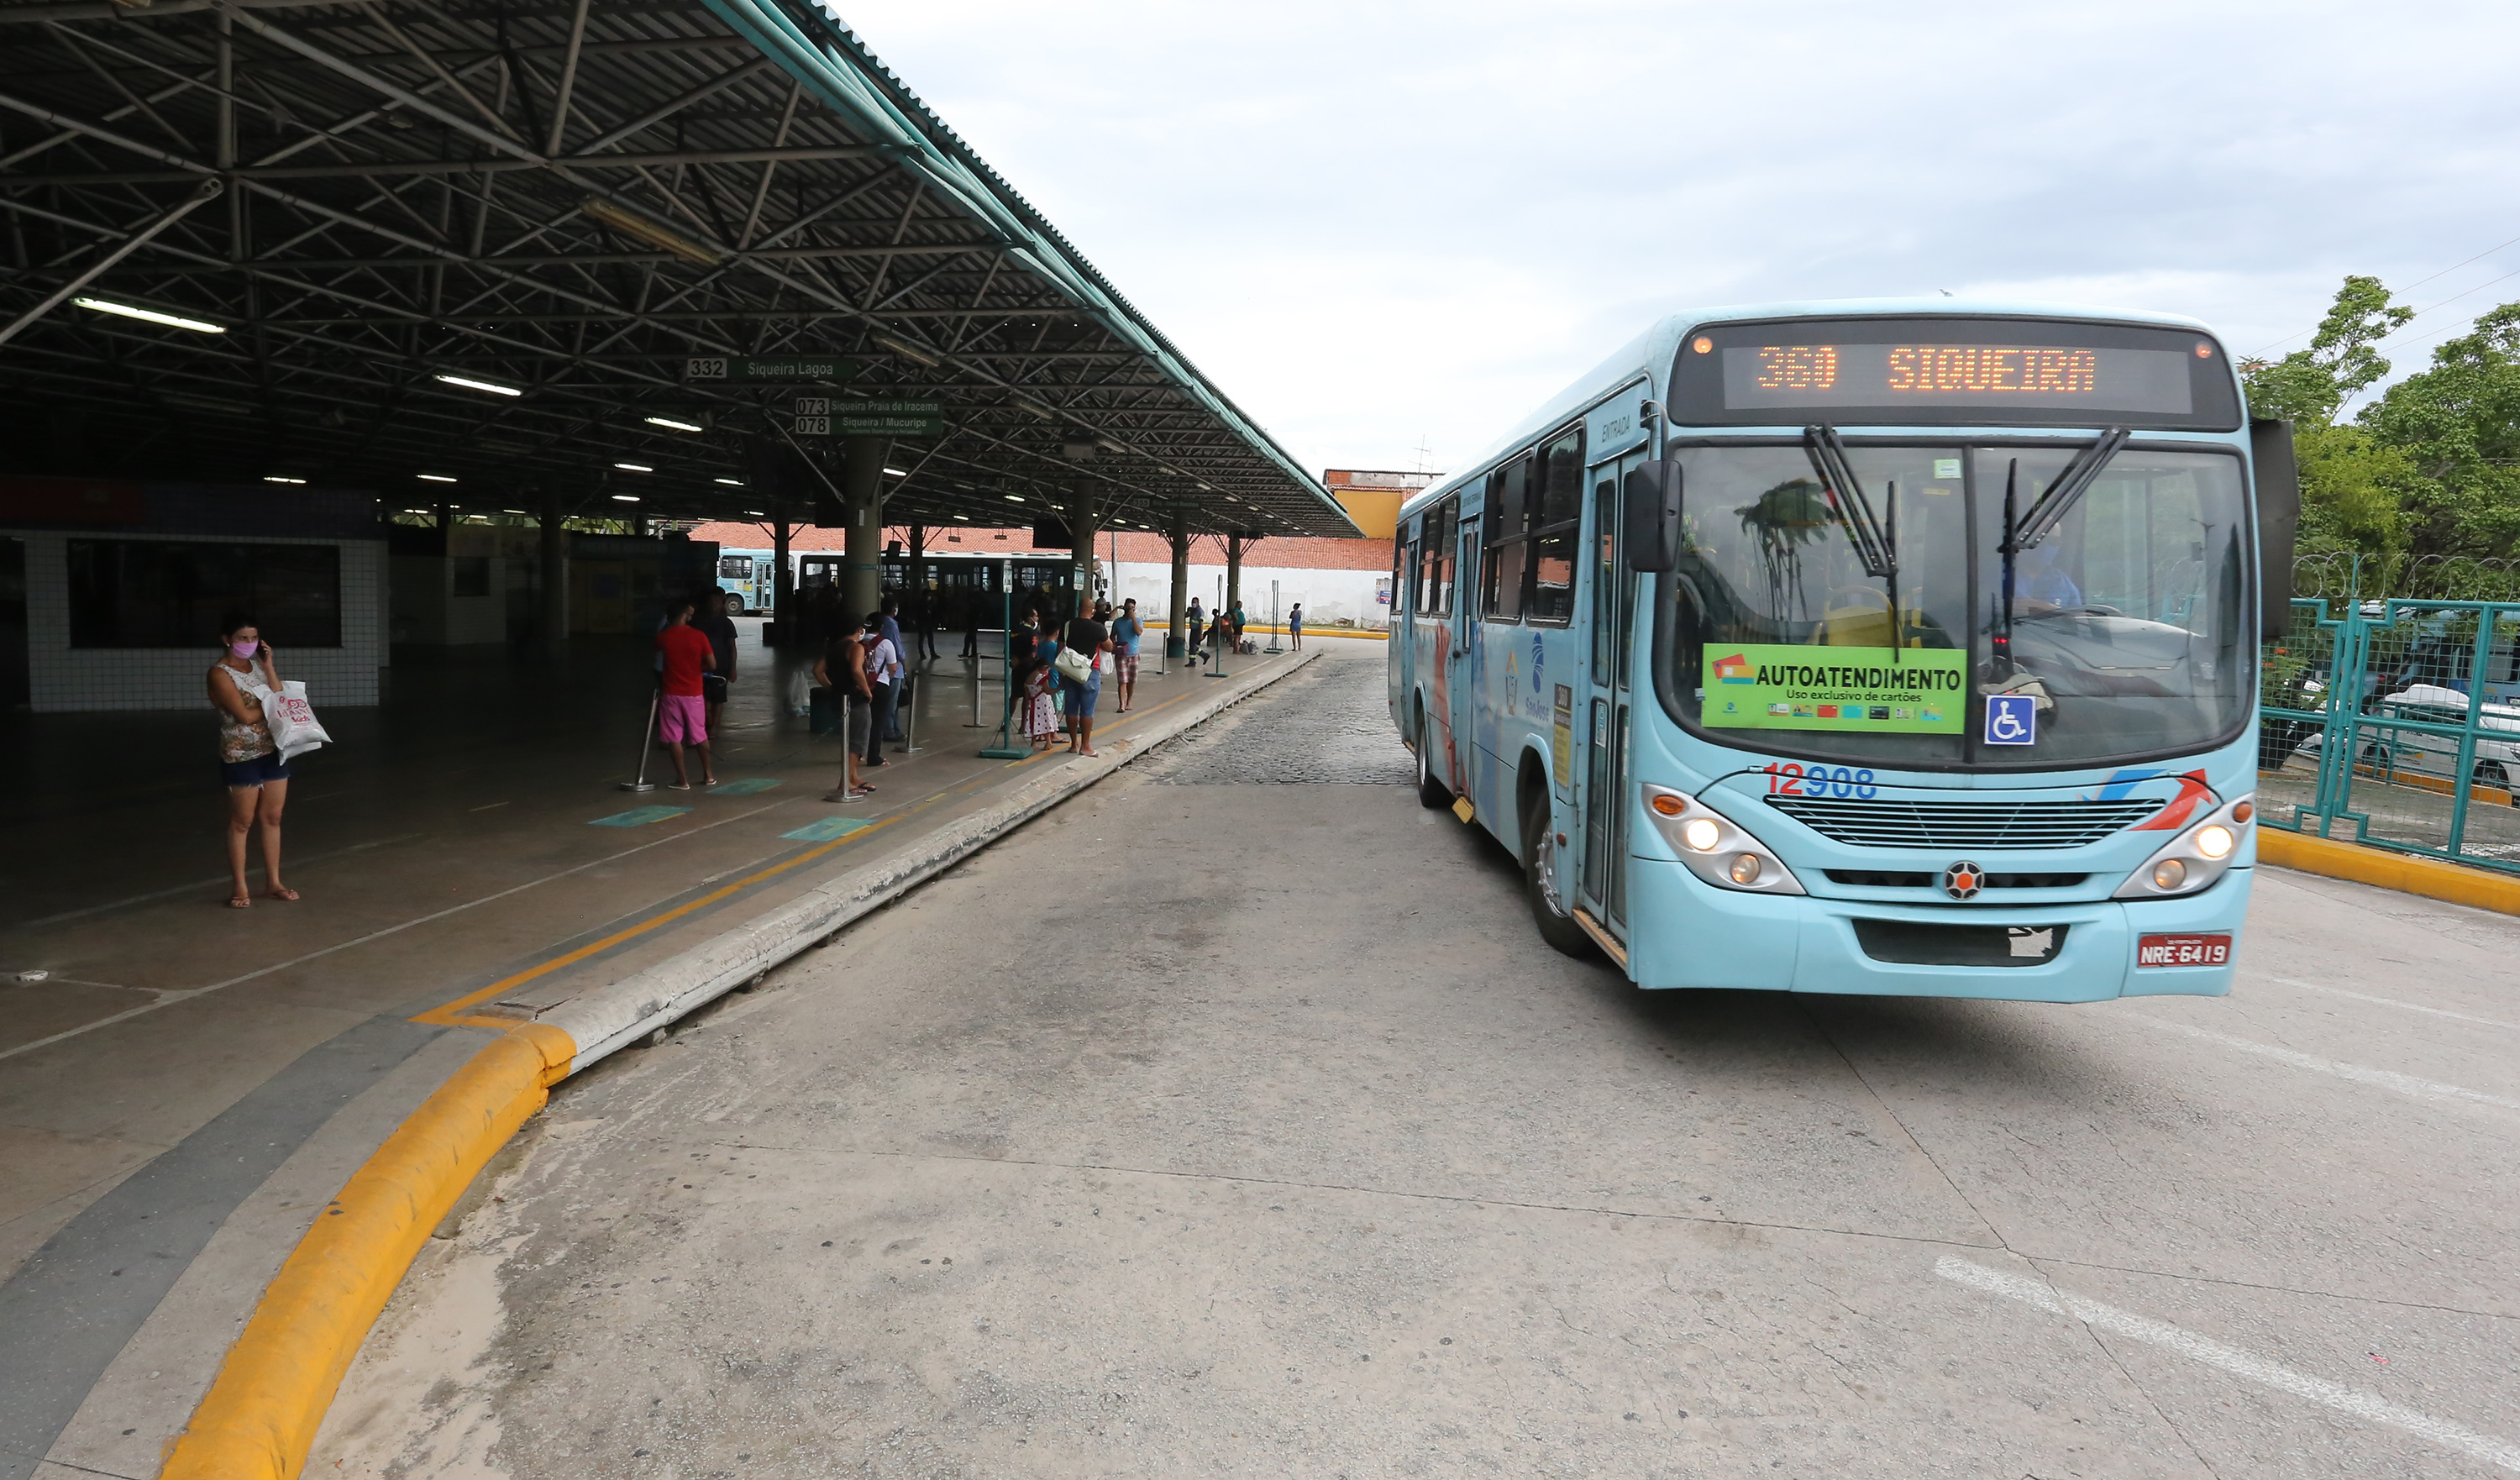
[685, 719]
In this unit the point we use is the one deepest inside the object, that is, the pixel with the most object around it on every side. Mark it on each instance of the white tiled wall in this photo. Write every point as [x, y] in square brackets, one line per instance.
[70, 680]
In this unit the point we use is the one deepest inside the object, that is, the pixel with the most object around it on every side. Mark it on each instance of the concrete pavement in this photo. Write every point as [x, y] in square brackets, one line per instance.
[188, 1083]
[1240, 1125]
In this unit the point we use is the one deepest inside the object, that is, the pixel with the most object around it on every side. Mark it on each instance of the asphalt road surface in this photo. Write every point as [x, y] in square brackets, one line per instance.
[1231, 1120]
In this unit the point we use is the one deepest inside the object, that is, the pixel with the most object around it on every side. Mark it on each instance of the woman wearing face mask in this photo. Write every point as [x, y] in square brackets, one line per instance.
[258, 778]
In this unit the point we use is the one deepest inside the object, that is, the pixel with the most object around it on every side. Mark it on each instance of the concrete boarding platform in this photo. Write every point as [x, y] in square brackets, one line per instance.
[466, 860]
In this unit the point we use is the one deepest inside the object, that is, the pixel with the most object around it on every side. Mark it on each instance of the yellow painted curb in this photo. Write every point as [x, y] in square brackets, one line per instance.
[2457, 883]
[259, 1417]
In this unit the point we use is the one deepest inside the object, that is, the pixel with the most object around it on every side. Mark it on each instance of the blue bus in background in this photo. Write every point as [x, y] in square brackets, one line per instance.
[1881, 646]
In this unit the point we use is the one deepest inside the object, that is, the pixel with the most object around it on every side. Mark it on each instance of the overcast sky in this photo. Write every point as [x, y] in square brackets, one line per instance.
[1379, 224]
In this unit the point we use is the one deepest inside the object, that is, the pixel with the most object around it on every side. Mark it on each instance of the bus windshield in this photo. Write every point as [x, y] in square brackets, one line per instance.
[1794, 633]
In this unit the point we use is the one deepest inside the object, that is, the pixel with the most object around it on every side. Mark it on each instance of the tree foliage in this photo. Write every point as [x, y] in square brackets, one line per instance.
[2431, 466]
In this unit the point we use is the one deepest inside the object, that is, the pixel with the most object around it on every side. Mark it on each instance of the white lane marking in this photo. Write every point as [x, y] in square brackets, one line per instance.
[2391, 1002]
[216, 880]
[2387, 1079]
[169, 996]
[2240, 1364]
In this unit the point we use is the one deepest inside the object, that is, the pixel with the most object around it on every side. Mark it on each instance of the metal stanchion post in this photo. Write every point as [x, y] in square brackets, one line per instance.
[1273, 618]
[1005, 749]
[1221, 643]
[910, 730]
[647, 742]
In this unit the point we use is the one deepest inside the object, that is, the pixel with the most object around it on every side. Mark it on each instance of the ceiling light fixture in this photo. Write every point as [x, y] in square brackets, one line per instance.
[1014, 497]
[965, 518]
[625, 498]
[634, 467]
[1028, 404]
[672, 425]
[272, 478]
[918, 353]
[151, 315]
[469, 384]
[435, 477]
[730, 482]
[654, 233]
[895, 473]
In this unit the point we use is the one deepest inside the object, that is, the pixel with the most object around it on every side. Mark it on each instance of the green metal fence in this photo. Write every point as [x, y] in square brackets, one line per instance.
[2391, 713]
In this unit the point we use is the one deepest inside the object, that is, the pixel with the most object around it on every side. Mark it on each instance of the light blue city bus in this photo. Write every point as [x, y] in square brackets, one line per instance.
[1883, 647]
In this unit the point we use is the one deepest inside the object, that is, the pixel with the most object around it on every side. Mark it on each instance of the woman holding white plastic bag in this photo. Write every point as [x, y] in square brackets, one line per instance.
[256, 774]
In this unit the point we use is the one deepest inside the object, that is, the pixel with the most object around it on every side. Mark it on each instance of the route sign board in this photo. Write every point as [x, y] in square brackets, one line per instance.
[787, 369]
[889, 419]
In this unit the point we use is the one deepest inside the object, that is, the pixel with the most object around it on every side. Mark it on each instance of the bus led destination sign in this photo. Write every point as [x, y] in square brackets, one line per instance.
[1770, 686]
[1761, 375]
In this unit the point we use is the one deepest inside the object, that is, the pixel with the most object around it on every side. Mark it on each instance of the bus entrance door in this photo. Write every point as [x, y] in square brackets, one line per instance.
[1609, 612]
[1461, 664]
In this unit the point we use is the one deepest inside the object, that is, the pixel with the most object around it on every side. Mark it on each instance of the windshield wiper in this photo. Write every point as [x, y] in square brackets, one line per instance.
[2061, 496]
[1875, 545]
[2023, 531]
[1876, 540]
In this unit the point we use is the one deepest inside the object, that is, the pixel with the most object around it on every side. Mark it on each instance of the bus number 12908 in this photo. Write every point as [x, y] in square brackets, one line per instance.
[1791, 779]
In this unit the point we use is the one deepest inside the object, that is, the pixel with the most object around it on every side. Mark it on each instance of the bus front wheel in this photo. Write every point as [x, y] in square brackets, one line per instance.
[1539, 884]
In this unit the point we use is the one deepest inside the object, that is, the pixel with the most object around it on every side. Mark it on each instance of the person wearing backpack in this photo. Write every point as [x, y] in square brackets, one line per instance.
[882, 674]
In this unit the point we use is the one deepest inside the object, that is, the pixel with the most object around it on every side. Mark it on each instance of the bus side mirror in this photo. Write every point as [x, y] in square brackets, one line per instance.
[2279, 494]
[1651, 538]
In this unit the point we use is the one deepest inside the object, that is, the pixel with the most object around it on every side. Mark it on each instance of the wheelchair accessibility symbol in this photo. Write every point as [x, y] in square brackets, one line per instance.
[2011, 719]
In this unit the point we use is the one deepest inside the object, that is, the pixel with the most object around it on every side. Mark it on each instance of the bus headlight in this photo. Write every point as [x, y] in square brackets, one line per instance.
[1716, 848]
[2195, 858]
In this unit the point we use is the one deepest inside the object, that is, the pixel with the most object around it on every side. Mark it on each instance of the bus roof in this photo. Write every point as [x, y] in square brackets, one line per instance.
[1648, 355]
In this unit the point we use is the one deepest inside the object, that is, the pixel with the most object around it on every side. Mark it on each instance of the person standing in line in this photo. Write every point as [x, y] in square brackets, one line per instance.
[1197, 619]
[1091, 638]
[1295, 627]
[1126, 634]
[714, 624]
[882, 666]
[683, 710]
[1239, 622]
[1038, 703]
[842, 669]
[257, 776]
[890, 629]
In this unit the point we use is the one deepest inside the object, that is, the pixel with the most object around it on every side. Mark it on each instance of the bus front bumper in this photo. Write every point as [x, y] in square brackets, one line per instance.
[1682, 932]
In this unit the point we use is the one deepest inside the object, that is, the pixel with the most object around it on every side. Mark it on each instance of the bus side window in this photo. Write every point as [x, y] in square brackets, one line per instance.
[1501, 576]
[1440, 538]
[1557, 512]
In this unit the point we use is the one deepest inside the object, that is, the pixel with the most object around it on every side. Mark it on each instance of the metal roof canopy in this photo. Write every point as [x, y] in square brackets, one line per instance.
[574, 201]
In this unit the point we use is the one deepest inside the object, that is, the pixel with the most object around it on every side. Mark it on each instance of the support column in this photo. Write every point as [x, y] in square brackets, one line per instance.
[1177, 603]
[1084, 526]
[862, 495]
[1235, 545]
[782, 578]
[914, 602]
[554, 552]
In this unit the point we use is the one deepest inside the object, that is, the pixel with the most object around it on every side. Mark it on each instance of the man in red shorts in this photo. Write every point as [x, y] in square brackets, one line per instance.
[683, 713]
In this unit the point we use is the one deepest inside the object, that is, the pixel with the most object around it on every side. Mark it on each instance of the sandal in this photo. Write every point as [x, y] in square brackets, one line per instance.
[239, 901]
[289, 895]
